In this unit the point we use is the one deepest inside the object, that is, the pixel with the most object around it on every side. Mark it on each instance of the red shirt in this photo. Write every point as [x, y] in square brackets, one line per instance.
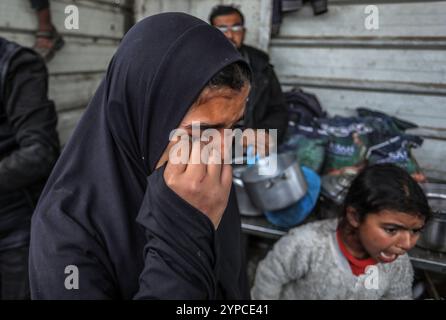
[357, 265]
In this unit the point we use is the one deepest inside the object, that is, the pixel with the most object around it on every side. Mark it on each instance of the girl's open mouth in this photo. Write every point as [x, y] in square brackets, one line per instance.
[387, 257]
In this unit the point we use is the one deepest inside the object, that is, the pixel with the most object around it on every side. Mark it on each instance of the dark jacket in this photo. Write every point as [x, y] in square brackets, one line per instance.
[105, 208]
[266, 108]
[29, 143]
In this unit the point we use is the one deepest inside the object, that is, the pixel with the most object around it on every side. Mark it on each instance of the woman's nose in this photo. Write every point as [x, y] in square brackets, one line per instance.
[406, 241]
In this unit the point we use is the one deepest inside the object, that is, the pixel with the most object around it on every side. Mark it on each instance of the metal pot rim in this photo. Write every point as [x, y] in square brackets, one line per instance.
[284, 161]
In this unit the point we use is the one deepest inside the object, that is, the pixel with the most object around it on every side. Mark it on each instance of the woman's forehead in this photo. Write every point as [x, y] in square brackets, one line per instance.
[221, 106]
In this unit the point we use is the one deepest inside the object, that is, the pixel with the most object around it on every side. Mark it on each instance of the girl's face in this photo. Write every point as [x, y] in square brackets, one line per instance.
[388, 234]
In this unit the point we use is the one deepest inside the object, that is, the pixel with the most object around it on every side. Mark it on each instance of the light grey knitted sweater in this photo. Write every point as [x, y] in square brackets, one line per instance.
[307, 264]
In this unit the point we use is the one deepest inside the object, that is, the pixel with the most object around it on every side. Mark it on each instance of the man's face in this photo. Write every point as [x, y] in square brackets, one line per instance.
[217, 109]
[232, 27]
[389, 234]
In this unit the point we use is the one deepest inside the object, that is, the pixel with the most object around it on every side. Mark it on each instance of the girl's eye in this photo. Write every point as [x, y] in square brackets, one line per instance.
[416, 231]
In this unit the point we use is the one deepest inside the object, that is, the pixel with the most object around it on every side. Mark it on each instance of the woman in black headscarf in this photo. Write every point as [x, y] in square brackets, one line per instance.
[113, 220]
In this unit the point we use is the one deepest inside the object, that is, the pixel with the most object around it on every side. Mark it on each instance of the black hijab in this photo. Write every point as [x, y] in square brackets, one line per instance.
[105, 180]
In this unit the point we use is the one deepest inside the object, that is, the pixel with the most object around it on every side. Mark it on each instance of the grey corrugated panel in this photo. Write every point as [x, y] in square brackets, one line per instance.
[410, 19]
[424, 66]
[367, 2]
[74, 90]
[366, 85]
[413, 43]
[67, 122]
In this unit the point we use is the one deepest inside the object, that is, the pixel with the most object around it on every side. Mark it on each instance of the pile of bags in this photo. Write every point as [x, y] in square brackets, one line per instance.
[328, 145]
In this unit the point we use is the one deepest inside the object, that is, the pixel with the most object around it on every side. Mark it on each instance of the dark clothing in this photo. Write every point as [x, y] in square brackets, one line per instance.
[266, 107]
[40, 4]
[107, 211]
[319, 6]
[29, 142]
[14, 283]
[280, 7]
[209, 263]
[29, 147]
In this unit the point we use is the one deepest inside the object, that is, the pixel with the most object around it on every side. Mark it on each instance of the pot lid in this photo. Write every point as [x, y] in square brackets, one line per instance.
[436, 196]
[438, 206]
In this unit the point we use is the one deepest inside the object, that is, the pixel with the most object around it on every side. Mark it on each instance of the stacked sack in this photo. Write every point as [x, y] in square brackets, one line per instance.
[328, 145]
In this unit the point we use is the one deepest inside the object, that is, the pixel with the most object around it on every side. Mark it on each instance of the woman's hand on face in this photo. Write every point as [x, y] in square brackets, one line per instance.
[204, 182]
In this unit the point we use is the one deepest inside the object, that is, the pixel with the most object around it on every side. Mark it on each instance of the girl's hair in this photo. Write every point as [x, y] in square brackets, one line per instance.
[233, 76]
[386, 186]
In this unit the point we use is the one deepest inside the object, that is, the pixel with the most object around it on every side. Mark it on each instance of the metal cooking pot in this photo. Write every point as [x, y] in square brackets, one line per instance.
[335, 187]
[245, 205]
[278, 189]
[433, 236]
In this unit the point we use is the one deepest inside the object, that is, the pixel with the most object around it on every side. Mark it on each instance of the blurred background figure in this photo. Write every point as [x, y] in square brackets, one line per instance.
[48, 40]
[29, 147]
[266, 107]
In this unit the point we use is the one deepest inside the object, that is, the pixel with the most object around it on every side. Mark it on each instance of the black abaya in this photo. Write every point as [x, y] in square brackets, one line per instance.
[106, 211]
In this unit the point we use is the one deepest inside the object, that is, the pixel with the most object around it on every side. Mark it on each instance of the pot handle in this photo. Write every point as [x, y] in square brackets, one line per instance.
[238, 182]
[271, 182]
[431, 195]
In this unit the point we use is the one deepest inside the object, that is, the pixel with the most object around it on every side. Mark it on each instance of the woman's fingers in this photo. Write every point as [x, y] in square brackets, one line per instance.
[204, 182]
[226, 176]
[178, 156]
[196, 169]
[214, 165]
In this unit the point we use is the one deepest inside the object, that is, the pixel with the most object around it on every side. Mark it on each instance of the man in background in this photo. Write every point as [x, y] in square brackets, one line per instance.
[266, 107]
[29, 147]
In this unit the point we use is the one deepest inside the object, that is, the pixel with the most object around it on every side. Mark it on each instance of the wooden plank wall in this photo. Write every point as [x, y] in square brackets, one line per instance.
[399, 69]
[77, 69]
